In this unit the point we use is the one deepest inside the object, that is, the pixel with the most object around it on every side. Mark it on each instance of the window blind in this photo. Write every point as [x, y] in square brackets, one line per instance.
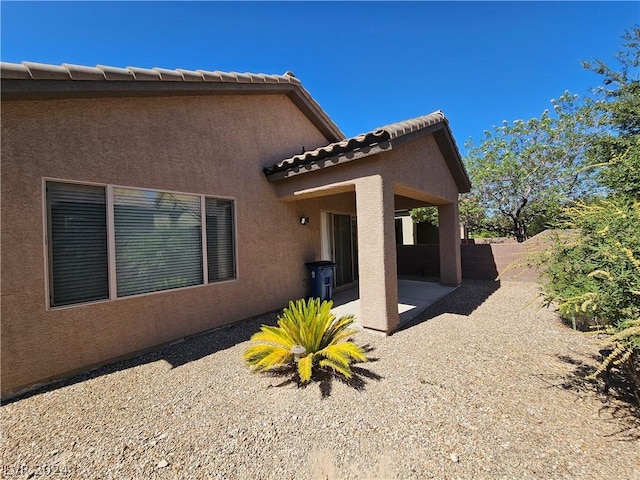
[220, 239]
[77, 243]
[158, 240]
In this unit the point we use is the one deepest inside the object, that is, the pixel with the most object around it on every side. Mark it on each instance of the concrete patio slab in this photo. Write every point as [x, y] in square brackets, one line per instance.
[413, 298]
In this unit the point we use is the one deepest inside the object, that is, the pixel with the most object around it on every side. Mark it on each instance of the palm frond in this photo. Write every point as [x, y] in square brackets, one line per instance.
[305, 366]
[333, 333]
[270, 357]
[346, 333]
[336, 367]
[274, 335]
[254, 354]
[343, 352]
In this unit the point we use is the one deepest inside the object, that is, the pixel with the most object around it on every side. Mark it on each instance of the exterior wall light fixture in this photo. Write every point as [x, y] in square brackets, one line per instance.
[304, 220]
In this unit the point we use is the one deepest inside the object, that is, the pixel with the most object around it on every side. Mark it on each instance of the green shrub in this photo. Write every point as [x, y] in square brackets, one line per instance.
[310, 324]
[593, 276]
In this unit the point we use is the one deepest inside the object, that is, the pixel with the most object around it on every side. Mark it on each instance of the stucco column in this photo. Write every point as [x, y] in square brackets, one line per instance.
[449, 227]
[377, 254]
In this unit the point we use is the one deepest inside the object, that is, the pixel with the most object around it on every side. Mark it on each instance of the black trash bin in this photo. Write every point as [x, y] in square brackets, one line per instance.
[321, 278]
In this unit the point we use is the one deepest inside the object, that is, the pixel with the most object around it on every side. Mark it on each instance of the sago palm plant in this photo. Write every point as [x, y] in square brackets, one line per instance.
[309, 324]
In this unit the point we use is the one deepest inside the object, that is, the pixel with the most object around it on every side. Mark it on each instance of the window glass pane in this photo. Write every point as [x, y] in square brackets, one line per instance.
[220, 239]
[77, 243]
[158, 240]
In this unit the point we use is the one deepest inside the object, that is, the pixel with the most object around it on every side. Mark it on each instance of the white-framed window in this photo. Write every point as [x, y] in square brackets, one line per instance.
[108, 242]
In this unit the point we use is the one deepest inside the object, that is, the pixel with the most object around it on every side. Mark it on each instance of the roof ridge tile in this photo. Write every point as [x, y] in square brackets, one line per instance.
[83, 72]
[145, 74]
[190, 75]
[14, 71]
[46, 71]
[210, 76]
[227, 76]
[116, 73]
[69, 71]
[169, 75]
[242, 77]
[257, 77]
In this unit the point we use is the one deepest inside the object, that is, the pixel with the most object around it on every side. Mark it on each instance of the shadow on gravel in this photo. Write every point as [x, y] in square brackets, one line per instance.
[324, 378]
[618, 401]
[462, 301]
[177, 353]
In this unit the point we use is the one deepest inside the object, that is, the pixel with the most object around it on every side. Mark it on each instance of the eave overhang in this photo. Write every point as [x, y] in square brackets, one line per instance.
[36, 81]
[375, 142]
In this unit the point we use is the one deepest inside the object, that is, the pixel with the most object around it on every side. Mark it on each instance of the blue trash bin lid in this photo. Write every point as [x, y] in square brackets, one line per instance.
[321, 263]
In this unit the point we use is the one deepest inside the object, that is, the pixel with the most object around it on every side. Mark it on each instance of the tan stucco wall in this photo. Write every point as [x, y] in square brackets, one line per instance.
[414, 170]
[212, 145]
[420, 171]
[417, 169]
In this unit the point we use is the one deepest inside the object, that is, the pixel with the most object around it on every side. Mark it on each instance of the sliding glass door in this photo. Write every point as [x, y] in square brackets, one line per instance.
[345, 249]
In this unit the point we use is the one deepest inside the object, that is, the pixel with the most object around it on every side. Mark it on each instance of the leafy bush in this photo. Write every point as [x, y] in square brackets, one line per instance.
[625, 343]
[595, 274]
[594, 277]
[310, 324]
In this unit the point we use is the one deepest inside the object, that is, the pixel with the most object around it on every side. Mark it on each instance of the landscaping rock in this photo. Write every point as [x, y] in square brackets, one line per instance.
[485, 384]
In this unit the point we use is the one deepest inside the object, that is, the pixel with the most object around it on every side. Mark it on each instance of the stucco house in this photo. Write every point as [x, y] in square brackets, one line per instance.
[140, 206]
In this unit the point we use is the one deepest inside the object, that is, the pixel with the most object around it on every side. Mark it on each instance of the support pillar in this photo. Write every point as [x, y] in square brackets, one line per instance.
[449, 228]
[377, 254]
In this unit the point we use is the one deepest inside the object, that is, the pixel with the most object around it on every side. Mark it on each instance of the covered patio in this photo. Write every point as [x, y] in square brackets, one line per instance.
[371, 176]
[413, 298]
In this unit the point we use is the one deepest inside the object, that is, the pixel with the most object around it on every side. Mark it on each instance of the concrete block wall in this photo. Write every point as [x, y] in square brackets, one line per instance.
[481, 262]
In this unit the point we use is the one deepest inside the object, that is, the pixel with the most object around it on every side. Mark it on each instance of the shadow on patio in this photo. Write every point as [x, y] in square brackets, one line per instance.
[420, 300]
[461, 301]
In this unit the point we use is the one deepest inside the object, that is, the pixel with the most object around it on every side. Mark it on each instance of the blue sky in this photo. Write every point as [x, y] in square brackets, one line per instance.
[366, 63]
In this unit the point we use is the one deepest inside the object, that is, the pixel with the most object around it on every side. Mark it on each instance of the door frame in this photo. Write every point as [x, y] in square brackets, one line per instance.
[328, 247]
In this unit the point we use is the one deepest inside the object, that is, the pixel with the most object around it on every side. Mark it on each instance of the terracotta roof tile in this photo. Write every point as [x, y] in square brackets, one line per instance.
[116, 73]
[146, 74]
[377, 136]
[258, 78]
[413, 125]
[242, 77]
[46, 71]
[210, 76]
[67, 71]
[267, 78]
[81, 72]
[377, 141]
[227, 77]
[167, 75]
[190, 75]
[14, 71]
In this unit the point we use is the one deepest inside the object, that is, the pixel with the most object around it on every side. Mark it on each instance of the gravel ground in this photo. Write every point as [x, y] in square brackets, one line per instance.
[484, 384]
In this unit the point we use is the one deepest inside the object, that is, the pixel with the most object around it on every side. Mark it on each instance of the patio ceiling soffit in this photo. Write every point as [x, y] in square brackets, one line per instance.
[376, 141]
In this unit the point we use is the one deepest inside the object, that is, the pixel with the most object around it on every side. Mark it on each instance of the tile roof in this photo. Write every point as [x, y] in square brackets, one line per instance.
[103, 78]
[349, 149]
[67, 71]
[371, 143]
[369, 139]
